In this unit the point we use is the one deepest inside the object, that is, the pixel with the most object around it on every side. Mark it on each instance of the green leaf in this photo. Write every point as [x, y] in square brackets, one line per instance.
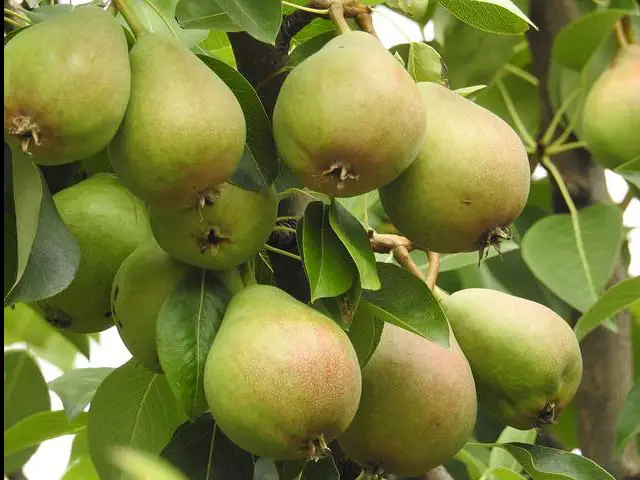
[425, 63]
[27, 199]
[45, 12]
[308, 48]
[187, 324]
[132, 408]
[23, 324]
[217, 43]
[460, 45]
[475, 466]
[323, 469]
[365, 332]
[81, 468]
[265, 469]
[258, 166]
[406, 301]
[615, 299]
[291, 470]
[143, 466]
[206, 15]
[25, 393]
[454, 261]
[552, 250]
[327, 262]
[54, 258]
[469, 91]
[10, 233]
[315, 28]
[35, 429]
[158, 16]
[628, 424]
[203, 452]
[356, 240]
[501, 473]
[495, 16]
[259, 18]
[501, 458]
[577, 42]
[524, 97]
[77, 387]
[544, 463]
[630, 171]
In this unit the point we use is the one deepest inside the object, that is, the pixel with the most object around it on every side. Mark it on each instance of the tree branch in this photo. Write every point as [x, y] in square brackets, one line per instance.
[607, 356]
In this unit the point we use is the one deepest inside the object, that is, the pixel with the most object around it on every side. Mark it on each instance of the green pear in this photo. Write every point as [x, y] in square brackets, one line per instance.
[349, 119]
[229, 227]
[282, 380]
[184, 130]
[611, 115]
[108, 222]
[64, 99]
[143, 282]
[418, 405]
[469, 183]
[525, 358]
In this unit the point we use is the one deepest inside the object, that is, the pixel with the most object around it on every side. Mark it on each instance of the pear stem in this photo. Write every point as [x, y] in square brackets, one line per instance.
[13, 22]
[439, 293]
[269, 248]
[523, 74]
[557, 118]
[620, 35]
[247, 272]
[317, 11]
[231, 278]
[556, 149]
[365, 21]
[130, 17]
[288, 217]
[400, 247]
[279, 228]
[8, 11]
[434, 269]
[573, 211]
[336, 13]
[624, 204]
[513, 111]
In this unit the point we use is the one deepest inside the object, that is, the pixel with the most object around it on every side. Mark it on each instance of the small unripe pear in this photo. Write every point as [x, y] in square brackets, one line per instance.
[230, 226]
[611, 115]
[143, 282]
[525, 358]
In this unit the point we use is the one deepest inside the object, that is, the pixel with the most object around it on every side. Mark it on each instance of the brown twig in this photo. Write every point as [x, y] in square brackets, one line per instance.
[365, 22]
[336, 13]
[400, 247]
[434, 269]
[626, 200]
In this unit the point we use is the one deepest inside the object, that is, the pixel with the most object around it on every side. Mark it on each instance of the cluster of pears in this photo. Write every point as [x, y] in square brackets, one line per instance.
[283, 380]
[173, 132]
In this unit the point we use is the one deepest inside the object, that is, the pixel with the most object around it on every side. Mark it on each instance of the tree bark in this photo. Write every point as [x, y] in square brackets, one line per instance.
[607, 356]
